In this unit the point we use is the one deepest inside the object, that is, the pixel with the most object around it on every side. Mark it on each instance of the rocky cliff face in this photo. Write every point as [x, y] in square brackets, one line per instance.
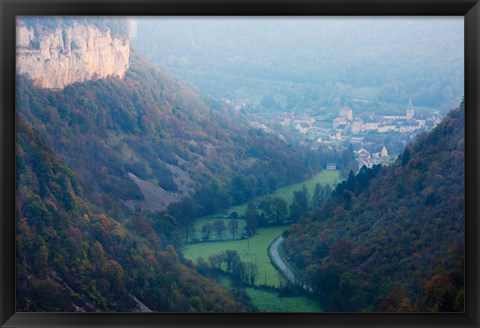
[56, 58]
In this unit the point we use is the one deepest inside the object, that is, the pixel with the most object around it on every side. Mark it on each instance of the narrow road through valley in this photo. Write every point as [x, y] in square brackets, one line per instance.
[282, 266]
[279, 262]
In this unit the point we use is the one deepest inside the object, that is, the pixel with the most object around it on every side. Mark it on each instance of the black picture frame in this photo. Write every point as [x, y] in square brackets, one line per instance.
[470, 9]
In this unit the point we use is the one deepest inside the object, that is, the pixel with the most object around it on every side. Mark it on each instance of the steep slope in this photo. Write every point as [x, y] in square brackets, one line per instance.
[150, 134]
[58, 52]
[73, 257]
[97, 153]
[391, 238]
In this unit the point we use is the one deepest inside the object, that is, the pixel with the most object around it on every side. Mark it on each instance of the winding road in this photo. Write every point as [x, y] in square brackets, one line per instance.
[283, 267]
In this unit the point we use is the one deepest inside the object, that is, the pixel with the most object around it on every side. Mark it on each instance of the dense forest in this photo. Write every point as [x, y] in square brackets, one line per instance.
[132, 140]
[112, 175]
[73, 257]
[92, 236]
[391, 238]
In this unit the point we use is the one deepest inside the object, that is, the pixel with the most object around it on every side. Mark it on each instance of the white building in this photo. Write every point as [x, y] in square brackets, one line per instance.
[363, 153]
[346, 112]
[357, 126]
[410, 110]
[386, 128]
[331, 166]
[384, 152]
[339, 121]
[370, 126]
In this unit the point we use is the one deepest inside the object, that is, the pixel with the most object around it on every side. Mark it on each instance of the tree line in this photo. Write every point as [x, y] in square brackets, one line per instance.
[241, 273]
[177, 223]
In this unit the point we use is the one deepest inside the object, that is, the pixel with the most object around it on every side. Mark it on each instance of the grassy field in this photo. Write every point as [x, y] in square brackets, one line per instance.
[269, 301]
[324, 177]
[253, 250]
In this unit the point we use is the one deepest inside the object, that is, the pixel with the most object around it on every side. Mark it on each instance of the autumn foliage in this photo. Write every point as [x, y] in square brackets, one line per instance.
[391, 238]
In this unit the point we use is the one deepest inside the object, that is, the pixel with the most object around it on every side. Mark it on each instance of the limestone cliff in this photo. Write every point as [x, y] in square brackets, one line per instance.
[62, 56]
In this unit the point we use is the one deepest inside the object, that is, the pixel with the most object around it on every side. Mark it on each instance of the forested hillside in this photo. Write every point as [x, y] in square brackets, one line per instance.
[123, 171]
[145, 142]
[71, 256]
[95, 158]
[391, 238]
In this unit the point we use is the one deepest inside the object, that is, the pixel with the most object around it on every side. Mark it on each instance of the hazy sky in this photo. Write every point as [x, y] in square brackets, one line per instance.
[354, 31]
[420, 56]
[206, 40]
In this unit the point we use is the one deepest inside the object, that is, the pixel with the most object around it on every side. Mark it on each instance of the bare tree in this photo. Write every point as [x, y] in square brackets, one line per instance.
[217, 260]
[251, 272]
[233, 227]
[206, 231]
[231, 257]
[219, 227]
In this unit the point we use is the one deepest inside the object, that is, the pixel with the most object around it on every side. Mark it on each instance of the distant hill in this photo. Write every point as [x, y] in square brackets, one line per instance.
[323, 57]
[391, 238]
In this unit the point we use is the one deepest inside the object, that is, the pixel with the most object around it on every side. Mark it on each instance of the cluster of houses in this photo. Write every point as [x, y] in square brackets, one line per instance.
[345, 123]
[365, 158]
[305, 125]
[347, 127]
[302, 122]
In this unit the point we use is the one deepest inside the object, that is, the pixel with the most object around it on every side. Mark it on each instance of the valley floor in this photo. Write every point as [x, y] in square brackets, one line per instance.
[256, 250]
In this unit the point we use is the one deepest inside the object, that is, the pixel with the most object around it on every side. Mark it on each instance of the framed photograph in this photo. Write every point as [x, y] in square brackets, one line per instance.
[179, 163]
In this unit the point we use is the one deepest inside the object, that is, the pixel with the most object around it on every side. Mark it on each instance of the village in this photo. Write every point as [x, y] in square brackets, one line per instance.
[368, 136]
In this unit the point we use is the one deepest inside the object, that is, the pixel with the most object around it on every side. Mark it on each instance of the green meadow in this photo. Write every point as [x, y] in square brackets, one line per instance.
[253, 250]
[270, 301]
[325, 177]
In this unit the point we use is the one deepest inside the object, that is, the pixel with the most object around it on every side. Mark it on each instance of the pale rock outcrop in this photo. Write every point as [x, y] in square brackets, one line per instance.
[67, 55]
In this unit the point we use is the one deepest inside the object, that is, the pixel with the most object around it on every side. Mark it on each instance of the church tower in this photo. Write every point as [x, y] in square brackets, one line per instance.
[410, 110]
